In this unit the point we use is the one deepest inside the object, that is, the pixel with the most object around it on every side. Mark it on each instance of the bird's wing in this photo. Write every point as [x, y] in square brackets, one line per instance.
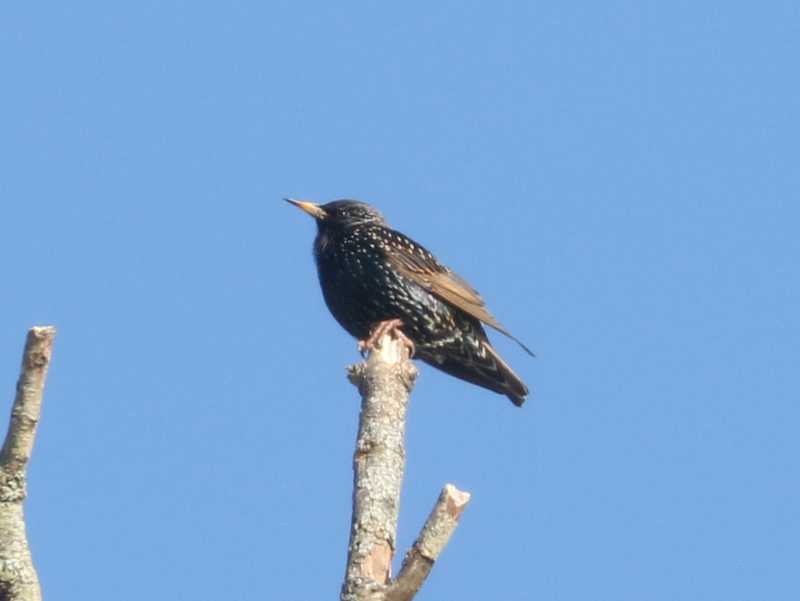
[420, 266]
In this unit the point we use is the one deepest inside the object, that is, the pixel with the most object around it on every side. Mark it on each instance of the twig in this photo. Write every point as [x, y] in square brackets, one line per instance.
[434, 537]
[18, 579]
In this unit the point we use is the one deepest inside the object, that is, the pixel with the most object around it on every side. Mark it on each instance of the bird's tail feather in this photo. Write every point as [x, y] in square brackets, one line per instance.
[513, 386]
[486, 369]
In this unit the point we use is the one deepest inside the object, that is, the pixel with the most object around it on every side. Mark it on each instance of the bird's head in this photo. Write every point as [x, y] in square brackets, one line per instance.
[340, 213]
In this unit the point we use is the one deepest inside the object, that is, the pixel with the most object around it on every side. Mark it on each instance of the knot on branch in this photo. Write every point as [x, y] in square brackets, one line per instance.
[389, 356]
[13, 487]
[367, 376]
[17, 576]
[37, 360]
[362, 589]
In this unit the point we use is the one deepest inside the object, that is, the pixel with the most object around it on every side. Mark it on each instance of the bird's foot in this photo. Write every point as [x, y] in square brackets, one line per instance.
[409, 344]
[378, 332]
[392, 327]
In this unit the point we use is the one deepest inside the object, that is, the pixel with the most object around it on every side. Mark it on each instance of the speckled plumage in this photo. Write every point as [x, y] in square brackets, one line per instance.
[370, 273]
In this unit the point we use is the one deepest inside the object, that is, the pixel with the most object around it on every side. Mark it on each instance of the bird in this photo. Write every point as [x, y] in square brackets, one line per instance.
[371, 274]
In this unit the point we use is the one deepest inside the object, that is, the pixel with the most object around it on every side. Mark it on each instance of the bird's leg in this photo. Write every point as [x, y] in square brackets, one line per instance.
[405, 340]
[400, 335]
[386, 327]
[377, 333]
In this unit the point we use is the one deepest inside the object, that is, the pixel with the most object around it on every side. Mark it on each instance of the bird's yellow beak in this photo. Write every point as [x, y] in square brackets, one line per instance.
[316, 211]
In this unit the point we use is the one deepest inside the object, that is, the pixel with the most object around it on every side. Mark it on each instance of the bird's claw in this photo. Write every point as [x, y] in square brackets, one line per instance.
[390, 326]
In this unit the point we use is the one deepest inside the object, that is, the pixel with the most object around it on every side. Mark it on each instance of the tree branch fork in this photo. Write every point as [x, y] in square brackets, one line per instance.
[385, 381]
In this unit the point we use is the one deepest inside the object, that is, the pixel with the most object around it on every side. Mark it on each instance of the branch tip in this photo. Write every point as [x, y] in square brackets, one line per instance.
[432, 539]
[27, 406]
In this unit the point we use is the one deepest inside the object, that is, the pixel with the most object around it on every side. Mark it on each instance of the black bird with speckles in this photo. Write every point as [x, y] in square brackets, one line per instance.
[370, 273]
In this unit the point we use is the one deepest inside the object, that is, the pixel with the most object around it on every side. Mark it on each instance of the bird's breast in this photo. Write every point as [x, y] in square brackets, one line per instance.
[361, 288]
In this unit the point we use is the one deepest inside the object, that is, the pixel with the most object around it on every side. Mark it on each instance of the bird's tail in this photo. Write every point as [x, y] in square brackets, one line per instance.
[512, 385]
[484, 368]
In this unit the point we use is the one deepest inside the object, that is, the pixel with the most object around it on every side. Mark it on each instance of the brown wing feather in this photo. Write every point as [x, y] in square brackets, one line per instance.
[419, 265]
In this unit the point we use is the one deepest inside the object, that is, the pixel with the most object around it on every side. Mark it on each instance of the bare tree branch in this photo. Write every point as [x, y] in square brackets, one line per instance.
[385, 382]
[378, 463]
[434, 537]
[18, 579]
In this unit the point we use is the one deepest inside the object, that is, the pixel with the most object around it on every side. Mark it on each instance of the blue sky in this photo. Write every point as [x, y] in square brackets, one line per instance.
[618, 179]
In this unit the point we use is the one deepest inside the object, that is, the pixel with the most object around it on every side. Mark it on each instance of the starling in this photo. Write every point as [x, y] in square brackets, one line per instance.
[370, 274]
